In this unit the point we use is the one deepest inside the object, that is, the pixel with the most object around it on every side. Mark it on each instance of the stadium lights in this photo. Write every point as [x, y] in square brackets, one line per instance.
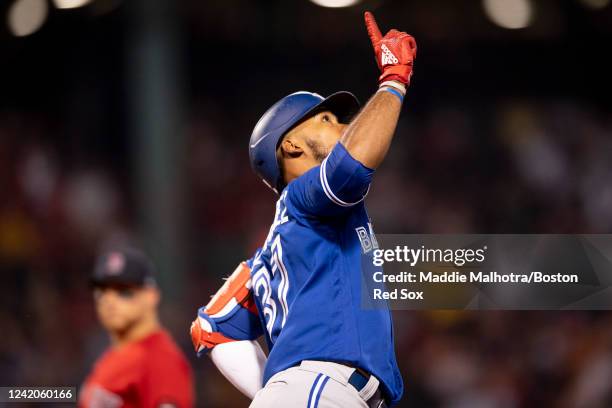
[511, 14]
[335, 3]
[68, 4]
[596, 4]
[27, 16]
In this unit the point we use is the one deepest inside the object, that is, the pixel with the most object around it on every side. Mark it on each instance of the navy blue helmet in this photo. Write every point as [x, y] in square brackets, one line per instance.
[281, 118]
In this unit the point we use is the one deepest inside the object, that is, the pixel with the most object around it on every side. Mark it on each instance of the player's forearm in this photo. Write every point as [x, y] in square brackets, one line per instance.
[369, 136]
[242, 363]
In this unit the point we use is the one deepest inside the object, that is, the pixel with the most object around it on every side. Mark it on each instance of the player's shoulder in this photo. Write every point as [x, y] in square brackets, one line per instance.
[161, 340]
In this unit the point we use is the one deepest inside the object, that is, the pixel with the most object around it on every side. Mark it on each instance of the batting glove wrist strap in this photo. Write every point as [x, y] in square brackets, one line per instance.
[400, 87]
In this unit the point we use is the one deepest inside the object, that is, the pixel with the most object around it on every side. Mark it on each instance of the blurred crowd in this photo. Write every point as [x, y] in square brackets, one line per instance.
[520, 167]
[473, 153]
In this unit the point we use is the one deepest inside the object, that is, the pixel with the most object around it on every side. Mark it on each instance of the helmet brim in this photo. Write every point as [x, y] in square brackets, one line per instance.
[343, 104]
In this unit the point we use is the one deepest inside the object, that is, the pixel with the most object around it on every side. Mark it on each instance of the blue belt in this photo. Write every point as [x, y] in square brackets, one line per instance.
[358, 380]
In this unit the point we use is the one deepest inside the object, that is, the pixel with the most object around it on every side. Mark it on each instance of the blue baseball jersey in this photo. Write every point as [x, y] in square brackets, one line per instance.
[307, 278]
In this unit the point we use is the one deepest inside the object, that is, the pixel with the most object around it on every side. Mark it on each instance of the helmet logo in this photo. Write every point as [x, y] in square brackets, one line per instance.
[115, 263]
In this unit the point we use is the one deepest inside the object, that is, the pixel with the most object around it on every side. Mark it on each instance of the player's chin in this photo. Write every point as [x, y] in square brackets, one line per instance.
[114, 323]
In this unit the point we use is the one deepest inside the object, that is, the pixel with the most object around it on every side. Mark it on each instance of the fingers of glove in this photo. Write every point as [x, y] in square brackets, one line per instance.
[396, 36]
[393, 33]
[373, 30]
[409, 42]
[412, 43]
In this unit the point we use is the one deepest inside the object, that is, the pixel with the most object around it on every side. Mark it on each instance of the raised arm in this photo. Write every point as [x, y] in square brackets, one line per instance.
[369, 135]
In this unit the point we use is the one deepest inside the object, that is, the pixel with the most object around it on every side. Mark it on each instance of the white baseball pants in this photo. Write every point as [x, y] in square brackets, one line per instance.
[314, 384]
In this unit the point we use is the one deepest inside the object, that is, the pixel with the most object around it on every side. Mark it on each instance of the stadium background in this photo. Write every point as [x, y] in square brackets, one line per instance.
[126, 122]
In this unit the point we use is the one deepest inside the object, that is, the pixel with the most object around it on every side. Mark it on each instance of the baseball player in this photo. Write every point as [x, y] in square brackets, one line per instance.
[302, 288]
[143, 367]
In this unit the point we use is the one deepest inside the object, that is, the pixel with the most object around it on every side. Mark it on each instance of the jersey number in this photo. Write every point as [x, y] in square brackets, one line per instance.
[271, 287]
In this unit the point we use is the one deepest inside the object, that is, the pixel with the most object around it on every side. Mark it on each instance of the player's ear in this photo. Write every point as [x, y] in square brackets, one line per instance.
[153, 296]
[290, 147]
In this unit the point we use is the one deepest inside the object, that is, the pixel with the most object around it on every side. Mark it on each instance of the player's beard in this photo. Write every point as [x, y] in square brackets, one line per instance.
[319, 152]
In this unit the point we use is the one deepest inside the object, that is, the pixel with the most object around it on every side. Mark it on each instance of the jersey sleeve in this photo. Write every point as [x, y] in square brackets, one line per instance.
[231, 315]
[339, 183]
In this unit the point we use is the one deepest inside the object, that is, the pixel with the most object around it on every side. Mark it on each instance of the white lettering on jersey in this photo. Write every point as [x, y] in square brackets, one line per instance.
[280, 217]
[373, 236]
[262, 277]
[263, 291]
[283, 287]
[367, 238]
[364, 238]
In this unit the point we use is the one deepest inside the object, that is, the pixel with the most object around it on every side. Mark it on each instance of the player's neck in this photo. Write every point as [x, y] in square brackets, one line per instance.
[138, 331]
[294, 169]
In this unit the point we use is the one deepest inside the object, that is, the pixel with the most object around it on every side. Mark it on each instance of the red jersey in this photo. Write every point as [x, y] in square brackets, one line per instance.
[148, 373]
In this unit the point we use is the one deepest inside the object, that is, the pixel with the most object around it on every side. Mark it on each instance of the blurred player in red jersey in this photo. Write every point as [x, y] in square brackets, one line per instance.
[143, 367]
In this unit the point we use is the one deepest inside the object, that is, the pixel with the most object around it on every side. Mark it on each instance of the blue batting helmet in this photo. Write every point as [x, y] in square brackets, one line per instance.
[282, 117]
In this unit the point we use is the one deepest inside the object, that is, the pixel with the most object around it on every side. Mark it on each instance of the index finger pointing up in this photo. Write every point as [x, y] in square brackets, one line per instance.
[373, 31]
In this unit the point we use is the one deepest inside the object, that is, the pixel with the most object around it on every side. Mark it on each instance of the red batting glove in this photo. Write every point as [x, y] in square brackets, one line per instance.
[395, 52]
